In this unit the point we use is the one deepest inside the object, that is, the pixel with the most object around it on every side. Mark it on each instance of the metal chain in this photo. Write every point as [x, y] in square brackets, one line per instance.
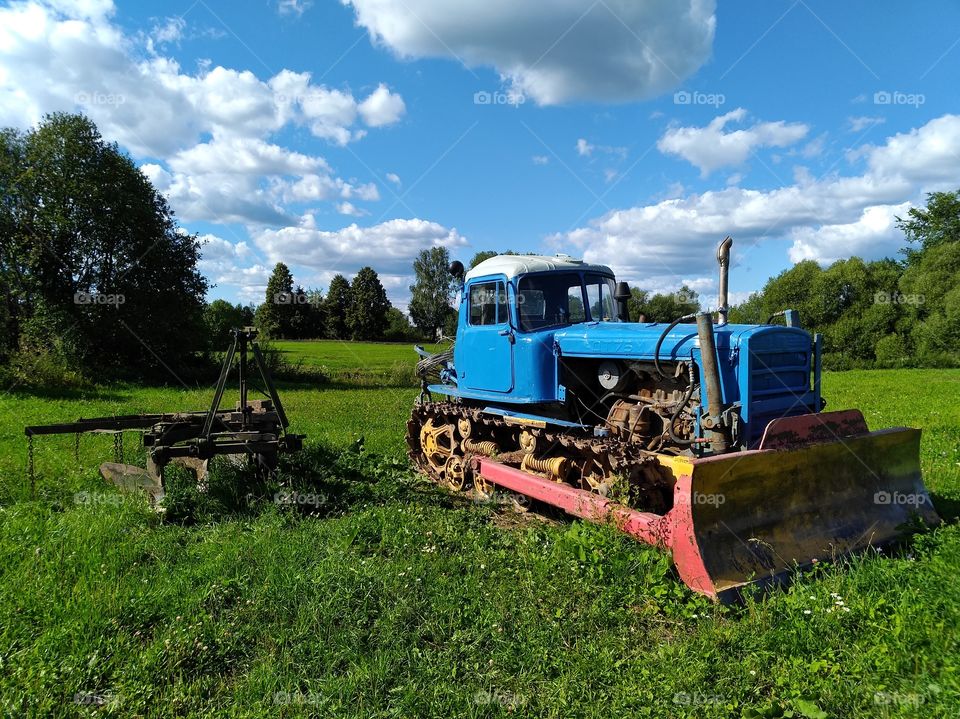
[76, 446]
[30, 469]
[118, 447]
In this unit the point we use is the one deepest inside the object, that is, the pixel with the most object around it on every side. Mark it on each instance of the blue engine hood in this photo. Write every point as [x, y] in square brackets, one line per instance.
[633, 340]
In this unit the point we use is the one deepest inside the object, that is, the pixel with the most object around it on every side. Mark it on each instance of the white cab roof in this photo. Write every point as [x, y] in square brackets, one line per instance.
[513, 265]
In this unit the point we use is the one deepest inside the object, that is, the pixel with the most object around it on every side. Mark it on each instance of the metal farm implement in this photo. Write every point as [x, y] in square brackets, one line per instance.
[256, 429]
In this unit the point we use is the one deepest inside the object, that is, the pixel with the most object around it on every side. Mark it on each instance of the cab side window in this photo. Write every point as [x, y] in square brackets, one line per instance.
[488, 303]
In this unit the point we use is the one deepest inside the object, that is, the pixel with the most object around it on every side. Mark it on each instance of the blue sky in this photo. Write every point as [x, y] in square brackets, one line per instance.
[333, 135]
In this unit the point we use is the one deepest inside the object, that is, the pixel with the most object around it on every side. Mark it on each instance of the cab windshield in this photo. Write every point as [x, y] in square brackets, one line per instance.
[558, 299]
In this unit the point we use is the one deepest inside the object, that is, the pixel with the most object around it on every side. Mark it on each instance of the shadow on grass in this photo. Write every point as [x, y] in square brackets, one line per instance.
[117, 393]
[947, 507]
[319, 481]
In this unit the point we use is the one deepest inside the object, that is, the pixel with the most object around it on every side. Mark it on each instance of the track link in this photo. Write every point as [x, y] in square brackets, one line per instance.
[605, 465]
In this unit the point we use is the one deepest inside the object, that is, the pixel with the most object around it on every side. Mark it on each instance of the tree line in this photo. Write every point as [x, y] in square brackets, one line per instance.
[98, 281]
[902, 312]
[357, 310]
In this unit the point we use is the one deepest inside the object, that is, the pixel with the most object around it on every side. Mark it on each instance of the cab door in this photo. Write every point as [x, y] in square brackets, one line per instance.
[485, 350]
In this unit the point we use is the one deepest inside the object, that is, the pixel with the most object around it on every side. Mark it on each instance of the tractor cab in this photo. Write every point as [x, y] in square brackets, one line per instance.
[510, 308]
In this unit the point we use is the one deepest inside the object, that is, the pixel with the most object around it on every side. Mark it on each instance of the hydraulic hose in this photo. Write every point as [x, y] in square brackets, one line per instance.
[656, 352]
[679, 409]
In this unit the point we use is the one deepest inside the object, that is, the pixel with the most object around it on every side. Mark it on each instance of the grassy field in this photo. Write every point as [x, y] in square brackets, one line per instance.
[381, 595]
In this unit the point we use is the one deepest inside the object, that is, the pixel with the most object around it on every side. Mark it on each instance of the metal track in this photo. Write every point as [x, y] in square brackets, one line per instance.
[605, 465]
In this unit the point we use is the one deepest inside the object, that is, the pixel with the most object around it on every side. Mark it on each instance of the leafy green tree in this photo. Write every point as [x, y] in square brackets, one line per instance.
[636, 305]
[930, 299]
[399, 328]
[433, 290]
[220, 317]
[335, 308]
[481, 256]
[662, 307]
[93, 265]
[936, 224]
[367, 314]
[310, 315]
[275, 316]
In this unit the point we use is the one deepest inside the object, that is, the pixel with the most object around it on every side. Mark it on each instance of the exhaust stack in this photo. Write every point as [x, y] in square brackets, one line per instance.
[723, 299]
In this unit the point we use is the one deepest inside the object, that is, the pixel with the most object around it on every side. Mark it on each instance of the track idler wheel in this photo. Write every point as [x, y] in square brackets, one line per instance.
[455, 473]
[437, 443]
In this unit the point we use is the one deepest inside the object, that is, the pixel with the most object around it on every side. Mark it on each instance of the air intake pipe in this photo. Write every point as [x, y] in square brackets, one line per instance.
[712, 421]
[723, 298]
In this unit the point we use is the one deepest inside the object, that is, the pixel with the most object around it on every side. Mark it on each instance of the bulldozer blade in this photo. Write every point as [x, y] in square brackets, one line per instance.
[756, 516]
[819, 487]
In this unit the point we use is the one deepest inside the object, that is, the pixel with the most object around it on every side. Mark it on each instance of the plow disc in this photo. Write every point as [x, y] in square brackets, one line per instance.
[818, 487]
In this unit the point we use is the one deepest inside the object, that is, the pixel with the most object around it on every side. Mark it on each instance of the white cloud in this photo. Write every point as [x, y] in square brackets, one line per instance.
[540, 160]
[859, 124]
[206, 134]
[248, 180]
[394, 178]
[293, 7]
[171, 31]
[586, 149]
[549, 50]
[228, 265]
[388, 247]
[875, 227]
[348, 208]
[382, 107]
[710, 148]
[64, 56]
[672, 240]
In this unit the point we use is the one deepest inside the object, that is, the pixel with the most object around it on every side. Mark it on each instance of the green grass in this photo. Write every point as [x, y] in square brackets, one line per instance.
[395, 599]
[355, 363]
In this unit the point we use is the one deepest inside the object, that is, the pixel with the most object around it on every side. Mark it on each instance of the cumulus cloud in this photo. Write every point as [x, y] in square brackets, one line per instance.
[233, 265]
[549, 50]
[388, 247]
[671, 241]
[382, 107]
[206, 134]
[58, 55]
[710, 148]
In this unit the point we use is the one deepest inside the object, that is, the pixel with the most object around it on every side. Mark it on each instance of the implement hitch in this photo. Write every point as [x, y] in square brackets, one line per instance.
[255, 428]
